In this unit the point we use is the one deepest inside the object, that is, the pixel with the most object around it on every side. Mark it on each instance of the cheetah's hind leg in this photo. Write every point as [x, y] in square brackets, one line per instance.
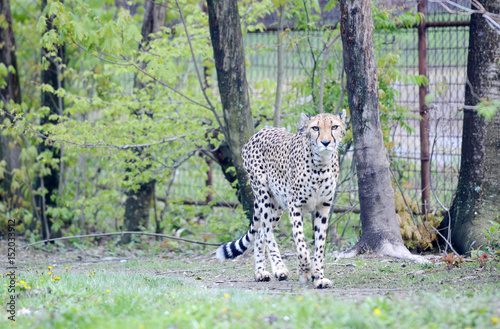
[280, 271]
[259, 252]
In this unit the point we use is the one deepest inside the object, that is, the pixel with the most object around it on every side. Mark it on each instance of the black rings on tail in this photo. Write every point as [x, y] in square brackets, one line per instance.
[236, 248]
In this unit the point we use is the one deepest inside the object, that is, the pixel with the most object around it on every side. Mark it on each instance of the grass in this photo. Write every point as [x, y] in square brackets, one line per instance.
[197, 292]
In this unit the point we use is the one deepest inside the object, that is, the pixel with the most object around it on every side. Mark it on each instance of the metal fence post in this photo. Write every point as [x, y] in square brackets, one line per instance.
[424, 114]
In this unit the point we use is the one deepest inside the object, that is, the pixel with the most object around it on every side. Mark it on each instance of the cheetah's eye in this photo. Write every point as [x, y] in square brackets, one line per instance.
[315, 128]
[335, 127]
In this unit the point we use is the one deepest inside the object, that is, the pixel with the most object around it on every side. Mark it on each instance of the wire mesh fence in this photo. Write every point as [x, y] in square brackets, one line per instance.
[447, 48]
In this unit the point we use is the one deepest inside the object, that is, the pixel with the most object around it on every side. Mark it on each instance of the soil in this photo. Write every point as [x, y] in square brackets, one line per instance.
[362, 276]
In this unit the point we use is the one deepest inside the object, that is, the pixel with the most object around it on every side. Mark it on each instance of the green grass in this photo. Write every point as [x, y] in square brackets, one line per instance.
[201, 293]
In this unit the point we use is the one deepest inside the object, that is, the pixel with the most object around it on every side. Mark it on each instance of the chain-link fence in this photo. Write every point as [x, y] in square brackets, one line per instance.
[447, 48]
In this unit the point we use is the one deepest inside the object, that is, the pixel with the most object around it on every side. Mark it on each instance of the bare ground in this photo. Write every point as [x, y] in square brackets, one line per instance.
[359, 277]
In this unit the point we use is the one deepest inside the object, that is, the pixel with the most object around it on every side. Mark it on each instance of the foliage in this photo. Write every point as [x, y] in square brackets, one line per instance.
[492, 238]
[488, 109]
[104, 115]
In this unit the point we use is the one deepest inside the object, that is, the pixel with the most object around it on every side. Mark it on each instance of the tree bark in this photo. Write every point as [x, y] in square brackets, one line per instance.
[138, 202]
[376, 197]
[53, 77]
[10, 92]
[477, 199]
[227, 43]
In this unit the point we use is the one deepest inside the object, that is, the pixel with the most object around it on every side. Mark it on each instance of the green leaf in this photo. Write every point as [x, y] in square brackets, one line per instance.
[42, 24]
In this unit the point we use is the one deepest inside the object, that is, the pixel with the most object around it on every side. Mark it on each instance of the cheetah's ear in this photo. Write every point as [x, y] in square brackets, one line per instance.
[304, 119]
[342, 115]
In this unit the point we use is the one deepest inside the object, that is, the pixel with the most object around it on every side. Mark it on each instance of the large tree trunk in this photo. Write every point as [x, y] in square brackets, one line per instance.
[478, 193]
[51, 76]
[227, 43]
[11, 92]
[376, 197]
[138, 202]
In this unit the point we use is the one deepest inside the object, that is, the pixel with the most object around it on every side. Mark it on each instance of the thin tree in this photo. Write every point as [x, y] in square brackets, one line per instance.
[138, 203]
[376, 197]
[477, 199]
[227, 43]
[9, 91]
[52, 75]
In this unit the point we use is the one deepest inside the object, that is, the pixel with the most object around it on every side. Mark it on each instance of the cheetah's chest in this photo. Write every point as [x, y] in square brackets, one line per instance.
[304, 186]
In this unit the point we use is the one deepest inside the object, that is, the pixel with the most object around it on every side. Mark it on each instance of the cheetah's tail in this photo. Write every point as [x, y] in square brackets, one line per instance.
[236, 248]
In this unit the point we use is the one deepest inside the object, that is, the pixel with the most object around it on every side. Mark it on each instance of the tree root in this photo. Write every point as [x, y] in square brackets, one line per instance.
[384, 248]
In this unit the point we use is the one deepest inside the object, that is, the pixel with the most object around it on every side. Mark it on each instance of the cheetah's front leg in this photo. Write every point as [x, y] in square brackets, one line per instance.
[320, 226]
[304, 269]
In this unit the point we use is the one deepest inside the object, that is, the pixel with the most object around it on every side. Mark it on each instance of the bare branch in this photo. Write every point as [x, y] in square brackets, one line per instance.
[211, 107]
[493, 20]
[118, 233]
[131, 63]
[166, 85]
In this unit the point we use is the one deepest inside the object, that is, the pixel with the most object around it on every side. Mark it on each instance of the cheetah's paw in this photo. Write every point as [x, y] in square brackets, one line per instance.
[322, 283]
[281, 274]
[261, 276]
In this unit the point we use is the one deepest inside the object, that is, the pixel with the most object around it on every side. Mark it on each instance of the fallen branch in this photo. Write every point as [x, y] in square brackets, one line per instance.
[119, 233]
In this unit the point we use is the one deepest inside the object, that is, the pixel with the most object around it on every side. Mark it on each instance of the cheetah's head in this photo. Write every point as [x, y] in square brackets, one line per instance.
[325, 130]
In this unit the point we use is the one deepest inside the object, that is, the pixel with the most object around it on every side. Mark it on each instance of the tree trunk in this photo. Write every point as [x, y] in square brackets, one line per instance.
[138, 202]
[53, 77]
[10, 92]
[227, 43]
[376, 197]
[477, 199]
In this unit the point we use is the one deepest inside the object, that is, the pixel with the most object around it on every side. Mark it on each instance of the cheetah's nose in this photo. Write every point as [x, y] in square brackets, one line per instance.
[325, 143]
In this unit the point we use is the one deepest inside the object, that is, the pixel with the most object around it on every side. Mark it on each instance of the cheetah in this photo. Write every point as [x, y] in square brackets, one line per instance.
[297, 172]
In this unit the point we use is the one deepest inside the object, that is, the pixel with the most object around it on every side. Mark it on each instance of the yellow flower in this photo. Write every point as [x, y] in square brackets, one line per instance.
[88, 274]
[50, 267]
[50, 273]
[67, 268]
[224, 309]
[266, 299]
[41, 280]
[299, 298]
[226, 295]
[377, 311]
[141, 326]
[317, 305]
[21, 281]
[28, 270]
[495, 320]
[139, 283]
[107, 291]
[52, 280]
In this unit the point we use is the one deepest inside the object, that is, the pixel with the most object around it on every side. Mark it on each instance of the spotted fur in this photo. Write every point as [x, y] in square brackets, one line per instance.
[297, 172]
